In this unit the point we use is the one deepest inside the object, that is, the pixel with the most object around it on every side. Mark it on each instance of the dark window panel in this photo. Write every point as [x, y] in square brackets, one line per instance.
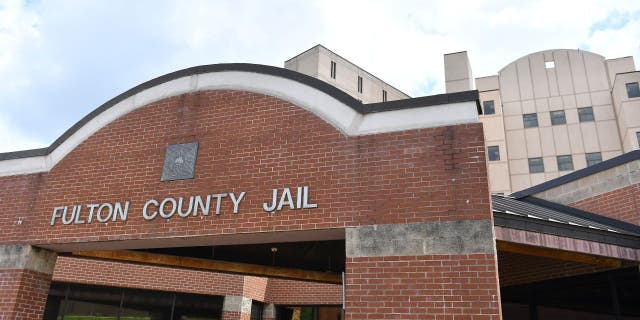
[558, 117]
[333, 69]
[536, 165]
[565, 163]
[593, 158]
[489, 107]
[585, 114]
[633, 90]
[493, 153]
[530, 120]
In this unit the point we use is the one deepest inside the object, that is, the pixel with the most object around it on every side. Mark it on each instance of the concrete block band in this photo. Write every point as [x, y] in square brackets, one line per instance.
[27, 257]
[423, 238]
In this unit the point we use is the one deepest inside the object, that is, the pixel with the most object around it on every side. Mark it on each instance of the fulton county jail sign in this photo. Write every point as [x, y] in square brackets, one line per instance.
[181, 207]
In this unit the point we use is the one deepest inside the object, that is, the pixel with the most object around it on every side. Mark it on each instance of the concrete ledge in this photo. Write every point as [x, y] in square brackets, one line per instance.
[616, 164]
[27, 257]
[595, 184]
[426, 238]
[237, 304]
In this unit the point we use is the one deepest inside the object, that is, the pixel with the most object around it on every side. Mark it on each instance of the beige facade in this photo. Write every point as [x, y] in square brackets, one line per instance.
[320, 62]
[554, 111]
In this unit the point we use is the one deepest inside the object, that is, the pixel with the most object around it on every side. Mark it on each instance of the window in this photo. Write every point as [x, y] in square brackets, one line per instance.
[565, 163]
[257, 310]
[638, 137]
[494, 153]
[593, 158]
[536, 165]
[308, 313]
[633, 90]
[557, 117]
[489, 107]
[585, 114]
[76, 301]
[530, 120]
[360, 84]
[333, 69]
[384, 95]
[549, 64]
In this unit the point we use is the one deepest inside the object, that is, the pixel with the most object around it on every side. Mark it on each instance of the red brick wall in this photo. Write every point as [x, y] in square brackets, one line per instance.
[254, 143]
[291, 292]
[622, 204]
[18, 197]
[255, 288]
[251, 142]
[423, 287]
[129, 275]
[23, 294]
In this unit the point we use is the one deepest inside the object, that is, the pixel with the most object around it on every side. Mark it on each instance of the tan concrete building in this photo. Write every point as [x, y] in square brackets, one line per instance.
[546, 114]
[552, 112]
[322, 63]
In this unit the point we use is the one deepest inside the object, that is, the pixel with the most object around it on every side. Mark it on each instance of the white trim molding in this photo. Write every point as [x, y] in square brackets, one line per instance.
[325, 105]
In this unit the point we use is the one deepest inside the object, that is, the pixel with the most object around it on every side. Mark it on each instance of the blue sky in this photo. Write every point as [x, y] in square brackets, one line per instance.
[59, 60]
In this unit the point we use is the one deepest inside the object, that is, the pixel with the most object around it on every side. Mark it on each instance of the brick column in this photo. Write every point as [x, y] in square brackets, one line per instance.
[422, 270]
[269, 312]
[25, 277]
[236, 308]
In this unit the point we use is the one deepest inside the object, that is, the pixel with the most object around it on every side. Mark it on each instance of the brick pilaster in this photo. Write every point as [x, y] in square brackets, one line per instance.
[236, 308]
[406, 271]
[25, 277]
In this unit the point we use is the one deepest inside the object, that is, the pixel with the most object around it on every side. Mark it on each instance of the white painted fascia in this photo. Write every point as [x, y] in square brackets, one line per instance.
[417, 118]
[341, 116]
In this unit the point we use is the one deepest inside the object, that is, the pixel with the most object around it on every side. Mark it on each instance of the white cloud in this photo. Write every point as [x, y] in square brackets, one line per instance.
[60, 60]
[18, 31]
[618, 42]
[13, 138]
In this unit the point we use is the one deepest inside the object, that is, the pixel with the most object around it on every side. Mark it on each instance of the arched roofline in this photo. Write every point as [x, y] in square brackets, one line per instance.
[336, 107]
[543, 51]
[313, 82]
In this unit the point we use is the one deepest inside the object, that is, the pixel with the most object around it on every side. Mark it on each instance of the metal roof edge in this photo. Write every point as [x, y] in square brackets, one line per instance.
[445, 98]
[626, 226]
[604, 165]
[506, 220]
[247, 67]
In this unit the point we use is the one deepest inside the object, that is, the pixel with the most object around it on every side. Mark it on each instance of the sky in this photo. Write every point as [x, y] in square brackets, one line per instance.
[59, 60]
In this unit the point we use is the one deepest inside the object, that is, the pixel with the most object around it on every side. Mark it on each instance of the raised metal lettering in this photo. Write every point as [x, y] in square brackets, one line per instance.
[153, 214]
[173, 208]
[101, 208]
[236, 201]
[270, 208]
[181, 213]
[285, 199]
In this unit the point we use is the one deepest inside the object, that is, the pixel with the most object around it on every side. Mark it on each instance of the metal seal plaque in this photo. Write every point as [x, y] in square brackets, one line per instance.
[179, 161]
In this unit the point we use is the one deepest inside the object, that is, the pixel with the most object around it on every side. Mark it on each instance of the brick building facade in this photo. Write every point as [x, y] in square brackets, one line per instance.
[399, 168]
[252, 192]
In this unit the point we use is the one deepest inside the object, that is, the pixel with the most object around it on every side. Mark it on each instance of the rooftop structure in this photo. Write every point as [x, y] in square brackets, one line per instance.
[552, 112]
[322, 63]
[545, 115]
